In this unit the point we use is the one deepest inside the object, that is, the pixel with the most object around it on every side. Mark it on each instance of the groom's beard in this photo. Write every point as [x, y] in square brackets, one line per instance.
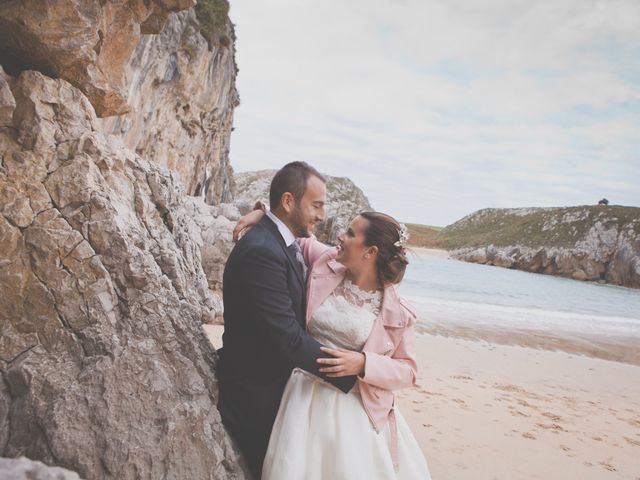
[300, 227]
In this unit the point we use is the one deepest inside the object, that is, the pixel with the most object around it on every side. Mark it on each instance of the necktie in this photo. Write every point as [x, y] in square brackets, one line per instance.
[295, 249]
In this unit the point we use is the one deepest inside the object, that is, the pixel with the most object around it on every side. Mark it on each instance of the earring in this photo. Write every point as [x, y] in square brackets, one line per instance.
[366, 256]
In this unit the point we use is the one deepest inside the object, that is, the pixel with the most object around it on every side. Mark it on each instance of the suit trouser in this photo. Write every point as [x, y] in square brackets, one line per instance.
[253, 442]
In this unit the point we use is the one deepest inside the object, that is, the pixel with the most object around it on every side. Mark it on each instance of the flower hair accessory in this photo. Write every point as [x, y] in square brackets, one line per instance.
[403, 233]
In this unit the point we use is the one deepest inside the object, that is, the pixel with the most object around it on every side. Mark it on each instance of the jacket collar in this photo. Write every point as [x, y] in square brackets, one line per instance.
[286, 234]
[391, 311]
[337, 267]
[273, 228]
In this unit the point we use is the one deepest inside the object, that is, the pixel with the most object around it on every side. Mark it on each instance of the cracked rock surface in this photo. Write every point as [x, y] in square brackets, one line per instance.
[24, 469]
[86, 42]
[182, 95]
[104, 367]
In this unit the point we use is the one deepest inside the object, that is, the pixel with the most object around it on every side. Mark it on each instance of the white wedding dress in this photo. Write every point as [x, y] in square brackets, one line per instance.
[322, 433]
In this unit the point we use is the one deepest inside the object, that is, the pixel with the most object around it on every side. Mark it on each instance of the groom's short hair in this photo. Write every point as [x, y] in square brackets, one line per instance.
[291, 178]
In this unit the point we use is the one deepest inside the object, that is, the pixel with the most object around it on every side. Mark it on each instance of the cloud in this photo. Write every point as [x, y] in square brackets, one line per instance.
[437, 109]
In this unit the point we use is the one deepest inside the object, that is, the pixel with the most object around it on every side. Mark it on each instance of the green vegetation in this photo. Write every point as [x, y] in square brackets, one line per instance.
[424, 235]
[213, 17]
[191, 51]
[535, 227]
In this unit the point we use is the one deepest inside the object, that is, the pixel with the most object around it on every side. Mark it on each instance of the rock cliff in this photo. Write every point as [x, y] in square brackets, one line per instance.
[106, 263]
[181, 90]
[165, 80]
[86, 42]
[597, 243]
[104, 365]
[24, 469]
[344, 200]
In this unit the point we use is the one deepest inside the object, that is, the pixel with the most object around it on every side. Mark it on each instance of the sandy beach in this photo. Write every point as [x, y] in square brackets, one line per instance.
[432, 252]
[488, 411]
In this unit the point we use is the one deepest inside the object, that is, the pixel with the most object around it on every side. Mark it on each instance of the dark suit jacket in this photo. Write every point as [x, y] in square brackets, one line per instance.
[264, 329]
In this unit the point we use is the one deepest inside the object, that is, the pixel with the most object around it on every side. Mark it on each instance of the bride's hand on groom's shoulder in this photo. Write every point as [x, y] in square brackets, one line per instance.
[345, 362]
[246, 222]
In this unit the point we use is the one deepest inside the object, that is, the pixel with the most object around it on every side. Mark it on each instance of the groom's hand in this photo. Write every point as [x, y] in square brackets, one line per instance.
[345, 363]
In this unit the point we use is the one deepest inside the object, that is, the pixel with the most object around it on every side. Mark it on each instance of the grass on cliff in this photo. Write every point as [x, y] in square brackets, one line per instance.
[213, 15]
[556, 227]
[424, 235]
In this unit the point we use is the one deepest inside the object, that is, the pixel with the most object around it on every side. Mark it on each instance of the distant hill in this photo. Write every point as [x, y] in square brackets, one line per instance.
[600, 243]
[424, 235]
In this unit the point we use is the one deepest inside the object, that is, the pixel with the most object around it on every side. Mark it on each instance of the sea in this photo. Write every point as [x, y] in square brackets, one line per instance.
[457, 298]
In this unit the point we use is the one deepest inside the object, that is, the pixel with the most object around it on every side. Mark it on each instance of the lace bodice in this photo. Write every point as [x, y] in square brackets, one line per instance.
[345, 318]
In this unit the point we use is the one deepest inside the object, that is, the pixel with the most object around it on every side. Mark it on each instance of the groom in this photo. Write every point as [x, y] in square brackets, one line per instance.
[264, 312]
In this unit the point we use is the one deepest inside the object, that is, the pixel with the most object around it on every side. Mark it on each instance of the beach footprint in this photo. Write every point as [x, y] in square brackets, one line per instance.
[517, 413]
[552, 416]
[554, 427]
[607, 465]
[460, 402]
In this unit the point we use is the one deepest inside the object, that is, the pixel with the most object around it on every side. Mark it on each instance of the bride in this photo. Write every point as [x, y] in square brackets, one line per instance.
[353, 309]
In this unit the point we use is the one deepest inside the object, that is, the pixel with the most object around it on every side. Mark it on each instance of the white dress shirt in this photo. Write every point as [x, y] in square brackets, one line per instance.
[287, 236]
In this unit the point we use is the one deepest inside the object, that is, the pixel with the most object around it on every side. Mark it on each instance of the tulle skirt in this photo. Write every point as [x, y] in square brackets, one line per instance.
[321, 433]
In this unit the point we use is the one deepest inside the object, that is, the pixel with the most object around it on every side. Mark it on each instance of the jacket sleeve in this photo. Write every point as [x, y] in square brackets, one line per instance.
[312, 249]
[266, 285]
[397, 371]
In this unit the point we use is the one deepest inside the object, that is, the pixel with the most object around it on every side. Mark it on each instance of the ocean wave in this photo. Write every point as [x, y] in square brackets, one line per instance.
[457, 312]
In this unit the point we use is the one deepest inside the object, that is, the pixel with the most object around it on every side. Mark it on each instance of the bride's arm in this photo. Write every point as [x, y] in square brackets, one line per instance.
[311, 248]
[397, 371]
[248, 220]
[389, 372]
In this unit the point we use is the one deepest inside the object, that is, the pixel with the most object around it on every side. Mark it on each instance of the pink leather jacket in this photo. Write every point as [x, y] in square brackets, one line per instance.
[390, 359]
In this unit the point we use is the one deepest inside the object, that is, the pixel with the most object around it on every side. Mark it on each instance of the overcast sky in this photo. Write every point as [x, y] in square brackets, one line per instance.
[440, 108]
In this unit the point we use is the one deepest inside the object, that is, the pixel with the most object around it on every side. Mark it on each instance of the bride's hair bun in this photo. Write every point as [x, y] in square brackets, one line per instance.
[383, 232]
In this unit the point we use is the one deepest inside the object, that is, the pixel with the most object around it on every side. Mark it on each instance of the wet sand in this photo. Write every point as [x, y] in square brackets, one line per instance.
[483, 410]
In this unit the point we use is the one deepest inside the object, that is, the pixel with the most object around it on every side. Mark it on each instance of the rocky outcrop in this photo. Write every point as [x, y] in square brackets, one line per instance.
[181, 89]
[212, 230]
[584, 243]
[165, 80]
[24, 469]
[344, 200]
[86, 42]
[104, 367]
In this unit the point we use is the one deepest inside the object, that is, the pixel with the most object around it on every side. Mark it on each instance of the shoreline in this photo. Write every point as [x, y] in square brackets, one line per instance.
[482, 410]
[430, 252]
[605, 347]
